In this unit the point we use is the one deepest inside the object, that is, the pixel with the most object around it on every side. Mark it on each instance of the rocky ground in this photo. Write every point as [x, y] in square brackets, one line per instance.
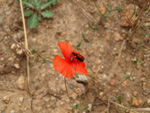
[117, 58]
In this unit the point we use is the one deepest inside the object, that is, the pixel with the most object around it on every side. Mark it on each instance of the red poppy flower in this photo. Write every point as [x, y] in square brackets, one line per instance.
[70, 65]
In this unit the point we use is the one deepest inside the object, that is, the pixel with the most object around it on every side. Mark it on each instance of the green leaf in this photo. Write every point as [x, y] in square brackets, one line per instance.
[81, 104]
[126, 76]
[94, 28]
[54, 1]
[42, 51]
[131, 101]
[46, 4]
[134, 9]
[47, 14]
[147, 34]
[44, 61]
[76, 75]
[86, 40]
[119, 9]
[39, 18]
[33, 21]
[3, 21]
[107, 14]
[74, 107]
[140, 46]
[34, 47]
[119, 99]
[108, 7]
[99, 13]
[37, 4]
[139, 63]
[147, 7]
[27, 13]
[104, 18]
[28, 4]
[123, 111]
[83, 35]
[79, 44]
[85, 108]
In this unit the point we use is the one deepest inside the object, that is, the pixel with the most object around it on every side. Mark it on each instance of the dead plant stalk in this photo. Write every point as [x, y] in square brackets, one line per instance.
[26, 41]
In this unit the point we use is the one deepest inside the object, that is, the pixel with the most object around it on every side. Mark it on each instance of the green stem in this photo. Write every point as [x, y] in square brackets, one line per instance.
[66, 88]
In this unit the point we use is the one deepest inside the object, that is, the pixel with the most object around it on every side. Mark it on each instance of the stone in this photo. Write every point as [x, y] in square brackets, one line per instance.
[21, 83]
[135, 93]
[17, 66]
[98, 62]
[12, 111]
[101, 94]
[118, 37]
[102, 9]
[81, 78]
[113, 82]
[104, 76]
[13, 46]
[19, 51]
[148, 101]
[21, 99]
[89, 107]
[76, 87]
[46, 98]
[6, 99]
[135, 102]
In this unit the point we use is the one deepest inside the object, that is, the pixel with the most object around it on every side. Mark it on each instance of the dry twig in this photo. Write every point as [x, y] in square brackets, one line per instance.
[135, 110]
[26, 41]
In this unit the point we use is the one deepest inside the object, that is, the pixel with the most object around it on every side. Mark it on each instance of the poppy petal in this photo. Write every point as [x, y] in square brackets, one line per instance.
[64, 67]
[66, 49]
[80, 68]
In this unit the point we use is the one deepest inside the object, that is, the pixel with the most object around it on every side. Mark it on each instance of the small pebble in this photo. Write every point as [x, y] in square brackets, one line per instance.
[101, 94]
[104, 76]
[21, 99]
[135, 93]
[81, 78]
[89, 107]
[98, 62]
[13, 46]
[12, 111]
[6, 99]
[17, 66]
[142, 79]
[148, 101]
[21, 82]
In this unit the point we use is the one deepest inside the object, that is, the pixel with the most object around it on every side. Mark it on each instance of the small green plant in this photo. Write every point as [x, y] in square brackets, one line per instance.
[36, 10]
[131, 102]
[38, 54]
[126, 76]
[79, 108]
[119, 99]
[119, 9]
[137, 62]
[107, 13]
[85, 39]
[93, 28]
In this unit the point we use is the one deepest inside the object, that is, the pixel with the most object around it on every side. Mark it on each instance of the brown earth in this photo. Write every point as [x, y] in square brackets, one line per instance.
[108, 57]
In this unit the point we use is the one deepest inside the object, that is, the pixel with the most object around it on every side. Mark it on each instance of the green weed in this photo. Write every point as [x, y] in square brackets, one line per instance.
[36, 10]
